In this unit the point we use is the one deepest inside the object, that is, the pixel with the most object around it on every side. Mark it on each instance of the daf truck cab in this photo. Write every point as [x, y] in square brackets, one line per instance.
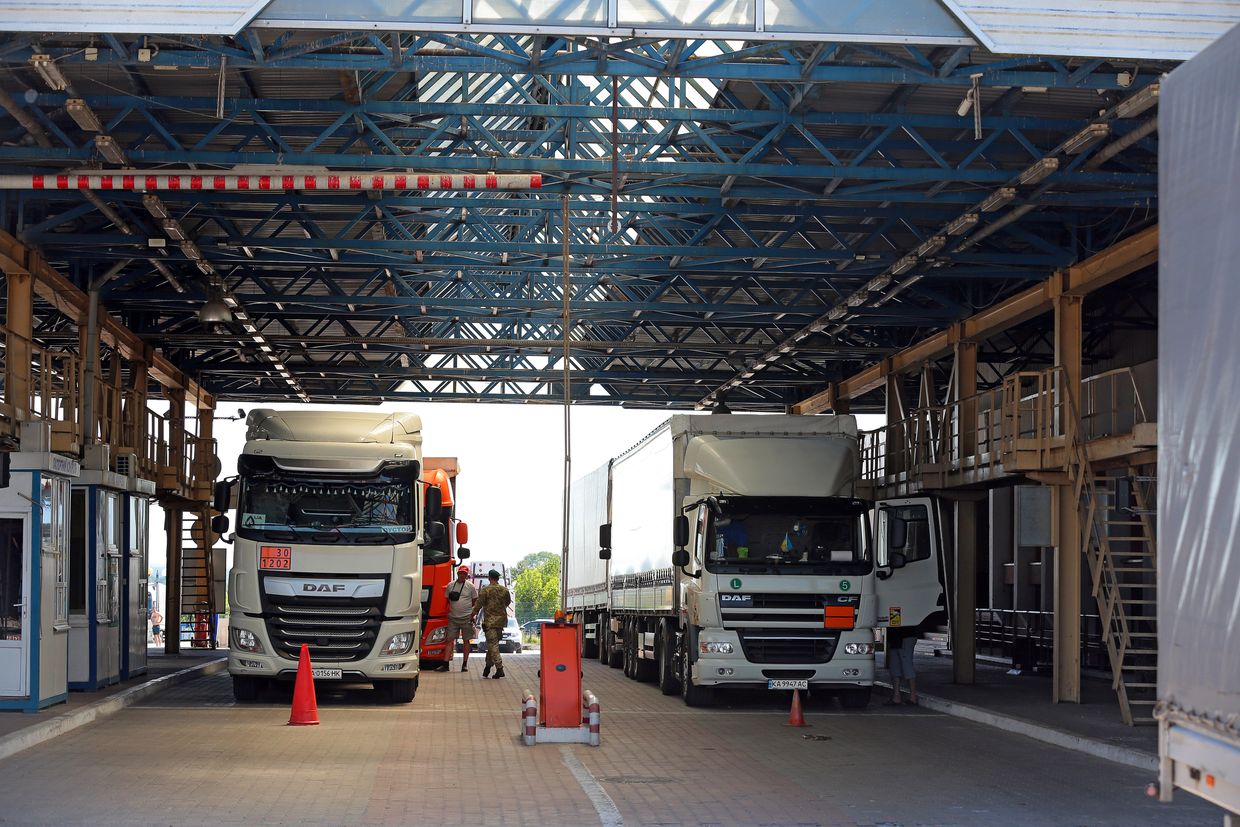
[329, 546]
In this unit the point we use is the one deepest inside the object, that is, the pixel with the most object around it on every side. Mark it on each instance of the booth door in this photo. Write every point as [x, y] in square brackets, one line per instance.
[136, 599]
[14, 607]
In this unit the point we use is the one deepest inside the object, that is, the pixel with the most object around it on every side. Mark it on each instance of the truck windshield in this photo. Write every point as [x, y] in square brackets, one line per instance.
[329, 508]
[802, 535]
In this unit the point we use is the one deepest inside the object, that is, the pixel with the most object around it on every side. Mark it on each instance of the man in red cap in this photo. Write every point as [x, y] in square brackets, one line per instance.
[462, 597]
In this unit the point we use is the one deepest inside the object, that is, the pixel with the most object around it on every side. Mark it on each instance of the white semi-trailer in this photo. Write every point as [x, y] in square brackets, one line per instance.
[735, 552]
[1198, 453]
[329, 538]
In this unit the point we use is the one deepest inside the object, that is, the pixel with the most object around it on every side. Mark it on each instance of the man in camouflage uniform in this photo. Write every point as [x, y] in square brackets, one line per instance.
[493, 603]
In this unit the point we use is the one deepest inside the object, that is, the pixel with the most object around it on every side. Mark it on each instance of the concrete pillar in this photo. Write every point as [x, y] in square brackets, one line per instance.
[964, 605]
[1069, 553]
[19, 328]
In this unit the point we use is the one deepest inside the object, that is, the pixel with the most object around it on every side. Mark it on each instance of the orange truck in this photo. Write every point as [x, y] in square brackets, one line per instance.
[438, 567]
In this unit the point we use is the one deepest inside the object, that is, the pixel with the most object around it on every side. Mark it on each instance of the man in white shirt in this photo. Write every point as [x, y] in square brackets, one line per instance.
[462, 597]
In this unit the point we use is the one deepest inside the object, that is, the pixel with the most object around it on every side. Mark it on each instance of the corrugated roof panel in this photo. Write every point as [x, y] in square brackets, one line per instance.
[1153, 29]
[129, 16]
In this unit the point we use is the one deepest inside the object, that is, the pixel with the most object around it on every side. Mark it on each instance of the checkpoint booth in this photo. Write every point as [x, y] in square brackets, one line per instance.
[35, 486]
[109, 532]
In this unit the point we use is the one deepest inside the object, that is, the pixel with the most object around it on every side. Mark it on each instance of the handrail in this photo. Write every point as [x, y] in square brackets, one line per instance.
[1028, 413]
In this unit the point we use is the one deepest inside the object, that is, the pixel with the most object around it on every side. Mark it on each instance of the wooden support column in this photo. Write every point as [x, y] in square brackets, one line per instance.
[964, 601]
[896, 438]
[1069, 555]
[176, 440]
[172, 588]
[19, 328]
[966, 389]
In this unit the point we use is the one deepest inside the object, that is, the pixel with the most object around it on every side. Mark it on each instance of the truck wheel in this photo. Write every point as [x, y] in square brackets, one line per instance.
[645, 670]
[399, 692]
[692, 695]
[665, 650]
[589, 648]
[245, 689]
[615, 654]
[855, 698]
[630, 656]
[604, 641]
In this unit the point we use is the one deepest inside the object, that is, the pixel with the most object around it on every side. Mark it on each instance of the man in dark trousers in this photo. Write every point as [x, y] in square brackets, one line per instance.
[493, 603]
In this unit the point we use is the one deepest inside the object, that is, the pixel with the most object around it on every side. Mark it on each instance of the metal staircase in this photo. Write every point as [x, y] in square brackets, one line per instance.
[1117, 526]
[198, 607]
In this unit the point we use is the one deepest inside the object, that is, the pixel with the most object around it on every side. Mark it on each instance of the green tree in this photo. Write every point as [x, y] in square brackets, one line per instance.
[531, 560]
[536, 588]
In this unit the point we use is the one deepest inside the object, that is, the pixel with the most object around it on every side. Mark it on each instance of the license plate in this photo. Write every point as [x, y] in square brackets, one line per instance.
[330, 674]
[786, 684]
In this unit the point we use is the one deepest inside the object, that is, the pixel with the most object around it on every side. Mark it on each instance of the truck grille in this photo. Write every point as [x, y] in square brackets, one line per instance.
[787, 645]
[773, 607]
[335, 631]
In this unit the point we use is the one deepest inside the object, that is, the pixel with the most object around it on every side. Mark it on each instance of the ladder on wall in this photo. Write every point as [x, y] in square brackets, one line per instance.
[1117, 534]
[198, 607]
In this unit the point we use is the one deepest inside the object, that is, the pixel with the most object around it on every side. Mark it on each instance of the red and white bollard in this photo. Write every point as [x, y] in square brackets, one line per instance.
[591, 718]
[529, 720]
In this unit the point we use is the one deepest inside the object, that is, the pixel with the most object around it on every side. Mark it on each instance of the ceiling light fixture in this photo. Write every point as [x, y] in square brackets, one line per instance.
[83, 115]
[1086, 138]
[1133, 105]
[1038, 171]
[49, 71]
[998, 199]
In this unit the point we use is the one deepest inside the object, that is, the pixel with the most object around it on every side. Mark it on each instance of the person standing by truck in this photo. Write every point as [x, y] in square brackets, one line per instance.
[462, 602]
[493, 603]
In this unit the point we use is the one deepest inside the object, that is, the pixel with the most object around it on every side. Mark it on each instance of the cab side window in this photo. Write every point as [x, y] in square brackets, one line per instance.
[916, 534]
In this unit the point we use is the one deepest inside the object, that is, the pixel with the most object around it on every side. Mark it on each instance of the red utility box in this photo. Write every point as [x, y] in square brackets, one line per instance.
[560, 675]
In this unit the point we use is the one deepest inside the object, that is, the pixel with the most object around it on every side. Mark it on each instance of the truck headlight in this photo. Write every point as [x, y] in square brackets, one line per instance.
[438, 636]
[859, 648]
[245, 640]
[713, 648]
[398, 644]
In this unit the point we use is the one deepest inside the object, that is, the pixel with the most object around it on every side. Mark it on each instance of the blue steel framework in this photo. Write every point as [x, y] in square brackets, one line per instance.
[759, 219]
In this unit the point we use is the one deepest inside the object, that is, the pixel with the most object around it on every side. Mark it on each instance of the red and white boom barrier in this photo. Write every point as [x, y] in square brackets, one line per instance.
[191, 181]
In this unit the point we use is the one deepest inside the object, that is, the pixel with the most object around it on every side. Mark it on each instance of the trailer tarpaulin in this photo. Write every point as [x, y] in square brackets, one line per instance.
[1199, 384]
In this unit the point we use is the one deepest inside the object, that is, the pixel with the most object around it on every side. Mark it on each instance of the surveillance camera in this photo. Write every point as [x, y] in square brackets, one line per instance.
[240, 413]
[965, 105]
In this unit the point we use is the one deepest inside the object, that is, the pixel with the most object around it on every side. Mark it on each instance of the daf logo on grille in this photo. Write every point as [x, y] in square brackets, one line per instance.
[322, 587]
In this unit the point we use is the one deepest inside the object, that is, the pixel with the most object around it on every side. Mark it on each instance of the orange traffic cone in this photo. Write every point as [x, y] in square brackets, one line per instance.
[795, 718]
[305, 708]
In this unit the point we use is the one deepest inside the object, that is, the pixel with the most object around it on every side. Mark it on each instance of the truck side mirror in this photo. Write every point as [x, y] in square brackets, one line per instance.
[219, 524]
[435, 536]
[462, 533]
[680, 531]
[434, 505]
[222, 500]
[604, 554]
[897, 560]
[604, 535]
[462, 553]
[897, 532]
[680, 558]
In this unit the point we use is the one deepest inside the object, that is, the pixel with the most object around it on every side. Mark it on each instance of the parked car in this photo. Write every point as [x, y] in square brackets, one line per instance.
[534, 627]
[510, 642]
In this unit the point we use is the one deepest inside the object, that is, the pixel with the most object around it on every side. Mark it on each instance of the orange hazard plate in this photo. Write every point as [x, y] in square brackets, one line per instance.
[275, 557]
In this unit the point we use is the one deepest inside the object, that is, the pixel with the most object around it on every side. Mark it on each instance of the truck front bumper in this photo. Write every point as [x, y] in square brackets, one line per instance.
[266, 664]
[842, 669]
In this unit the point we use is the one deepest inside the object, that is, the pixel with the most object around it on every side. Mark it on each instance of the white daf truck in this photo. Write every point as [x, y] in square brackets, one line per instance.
[735, 552]
[329, 539]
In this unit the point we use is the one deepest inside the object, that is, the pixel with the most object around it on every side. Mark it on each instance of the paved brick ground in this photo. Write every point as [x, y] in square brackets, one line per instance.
[190, 756]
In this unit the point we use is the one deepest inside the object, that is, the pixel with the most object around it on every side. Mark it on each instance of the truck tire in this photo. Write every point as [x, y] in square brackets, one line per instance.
[690, 694]
[589, 648]
[615, 654]
[604, 641]
[645, 670]
[855, 698]
[245, 688]
[665, 651]
[398, 692]
[630, 653]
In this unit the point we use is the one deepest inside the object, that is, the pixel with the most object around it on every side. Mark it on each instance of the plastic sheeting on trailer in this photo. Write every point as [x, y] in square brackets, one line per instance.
[1152, 29]
[128, 16]
[1199, 349]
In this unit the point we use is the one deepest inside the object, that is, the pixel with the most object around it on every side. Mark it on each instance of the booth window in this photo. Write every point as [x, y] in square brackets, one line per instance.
[77, 553]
